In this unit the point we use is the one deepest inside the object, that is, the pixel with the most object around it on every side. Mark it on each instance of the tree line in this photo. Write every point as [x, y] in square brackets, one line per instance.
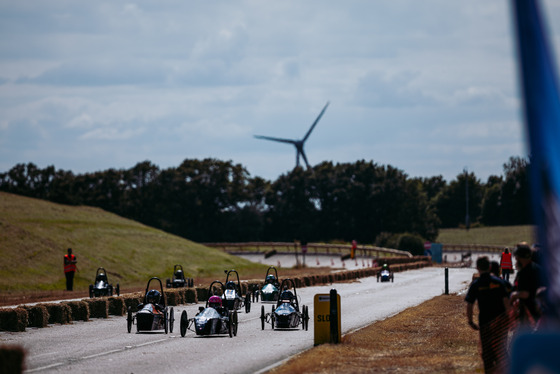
[212, 200]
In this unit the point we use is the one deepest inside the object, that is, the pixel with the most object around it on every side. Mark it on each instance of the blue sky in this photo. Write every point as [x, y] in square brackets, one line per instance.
[428, 87]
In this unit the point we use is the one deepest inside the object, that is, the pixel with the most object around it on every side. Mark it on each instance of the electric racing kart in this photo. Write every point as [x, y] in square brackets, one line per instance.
[231, 297]
[270, 289]
[101, 286]
[178, 279]
[214, 319]
[153, 314]
[287, 313]
[385, 275]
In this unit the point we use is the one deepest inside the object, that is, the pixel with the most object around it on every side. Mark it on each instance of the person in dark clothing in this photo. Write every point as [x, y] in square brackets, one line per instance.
[491, 295]
[526, 284]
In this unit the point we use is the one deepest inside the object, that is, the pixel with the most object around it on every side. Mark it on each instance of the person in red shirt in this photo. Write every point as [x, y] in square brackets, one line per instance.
[506, 264]
[69, 269]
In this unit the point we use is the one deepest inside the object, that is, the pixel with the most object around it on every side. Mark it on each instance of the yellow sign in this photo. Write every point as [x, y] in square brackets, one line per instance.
[322, 318]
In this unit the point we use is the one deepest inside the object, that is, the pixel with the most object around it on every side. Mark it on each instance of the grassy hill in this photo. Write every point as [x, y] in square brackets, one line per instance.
[499, 235]
[35, 234]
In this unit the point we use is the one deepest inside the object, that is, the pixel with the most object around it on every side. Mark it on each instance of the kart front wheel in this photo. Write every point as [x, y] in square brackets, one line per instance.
[171, 320]
[247, 303]
[91, 291]
[118, 290]
[263, 317]
[184, 323]
[230, 325]
[165, 320]
[129, 319]
[235, 323]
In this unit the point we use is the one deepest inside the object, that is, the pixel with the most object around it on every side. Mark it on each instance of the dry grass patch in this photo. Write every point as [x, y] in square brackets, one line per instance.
[430, 338]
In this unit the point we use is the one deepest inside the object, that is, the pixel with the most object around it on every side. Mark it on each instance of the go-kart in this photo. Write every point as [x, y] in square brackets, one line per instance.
[231, 297]
[153, 314]
[178, 279]
[385, 275]
[287, 313]
[214, 319]
[269, 291]
[101, 286]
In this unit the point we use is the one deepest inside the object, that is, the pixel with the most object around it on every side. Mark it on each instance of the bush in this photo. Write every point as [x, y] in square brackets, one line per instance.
[411, 243]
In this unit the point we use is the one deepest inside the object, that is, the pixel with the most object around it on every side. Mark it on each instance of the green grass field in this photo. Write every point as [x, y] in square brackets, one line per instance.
[35, 234]
[499, 235]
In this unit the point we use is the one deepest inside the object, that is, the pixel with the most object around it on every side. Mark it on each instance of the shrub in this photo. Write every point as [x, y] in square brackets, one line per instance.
[411, 243]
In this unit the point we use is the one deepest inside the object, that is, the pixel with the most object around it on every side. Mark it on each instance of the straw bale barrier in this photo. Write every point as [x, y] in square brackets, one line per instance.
[132, 300]
[98, 308]
[79, 310]
[59, 313]
[13, 319]
[116, 306]
[173, 297]
[202, 293]
[12, 358]
[191, 296]
[37, 315]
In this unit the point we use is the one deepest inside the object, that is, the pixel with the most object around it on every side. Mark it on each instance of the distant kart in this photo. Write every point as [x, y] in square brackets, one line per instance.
[232, 298]
[178, 279]
[270, 290]
[287, 313]
[214, 319]
[153, 314]
[385, 275]
[101, 286]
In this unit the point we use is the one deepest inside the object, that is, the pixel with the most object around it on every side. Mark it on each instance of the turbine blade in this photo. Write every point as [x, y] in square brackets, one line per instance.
[315, 123]
[275, 139]
[305, 159]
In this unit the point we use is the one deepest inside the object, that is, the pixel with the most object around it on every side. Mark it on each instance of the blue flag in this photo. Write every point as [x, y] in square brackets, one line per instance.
[542, 119]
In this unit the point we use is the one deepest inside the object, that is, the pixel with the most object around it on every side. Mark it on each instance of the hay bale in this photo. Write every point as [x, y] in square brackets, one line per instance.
[173, 297]
[12, 358]
[201, 293]
[191, 296]
[13, 319]
[116, 306]
[37, 315]
[306, 281]
[98, 308]
[132, 301]
[59, 313]
[79, 310]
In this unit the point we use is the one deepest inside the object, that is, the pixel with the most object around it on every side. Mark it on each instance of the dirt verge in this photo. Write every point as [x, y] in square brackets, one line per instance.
[430, 338]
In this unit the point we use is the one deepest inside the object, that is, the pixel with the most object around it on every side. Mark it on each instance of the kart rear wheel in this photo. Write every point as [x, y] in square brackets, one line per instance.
[129, 319]
[118, 290]
[171, 320]
[168, 283]
[91, 291]
[306, 317]
[392, 278]
[272, 317]
[263, 317]
[303, 317]
[247, 303]
[166, 320]
[184, 323]
[191, 282]
[110, 290]
[235, 323]
[230, 325]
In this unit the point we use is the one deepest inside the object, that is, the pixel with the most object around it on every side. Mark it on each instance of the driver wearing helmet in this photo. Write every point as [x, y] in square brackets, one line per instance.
[270, 279]
[230, 285]
[287, 296]
[216, 303]
[153, 297]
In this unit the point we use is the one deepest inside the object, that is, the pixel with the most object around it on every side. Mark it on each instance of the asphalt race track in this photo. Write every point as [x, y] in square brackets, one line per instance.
[104, 346]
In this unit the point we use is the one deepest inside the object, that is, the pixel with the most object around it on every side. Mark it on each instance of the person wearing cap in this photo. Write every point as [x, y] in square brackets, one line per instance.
[526, 284]
[490, 292]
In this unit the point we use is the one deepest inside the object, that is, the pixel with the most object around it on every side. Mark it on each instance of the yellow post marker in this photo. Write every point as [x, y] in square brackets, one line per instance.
[322, 318]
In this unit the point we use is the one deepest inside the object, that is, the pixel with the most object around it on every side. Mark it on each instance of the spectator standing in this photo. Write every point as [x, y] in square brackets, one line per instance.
[69, 269]
[526, 284]
[506, 264]
[491, 295]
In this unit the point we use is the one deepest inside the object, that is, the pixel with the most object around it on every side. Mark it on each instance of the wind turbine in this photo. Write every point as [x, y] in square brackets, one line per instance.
[297, 143]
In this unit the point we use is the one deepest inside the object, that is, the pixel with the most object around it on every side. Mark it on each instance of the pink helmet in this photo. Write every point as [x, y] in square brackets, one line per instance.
[215, 301]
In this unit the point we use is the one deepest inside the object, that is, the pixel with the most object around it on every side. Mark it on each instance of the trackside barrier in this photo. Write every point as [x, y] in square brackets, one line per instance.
[326, 318]
[40, 315]
[12, 359]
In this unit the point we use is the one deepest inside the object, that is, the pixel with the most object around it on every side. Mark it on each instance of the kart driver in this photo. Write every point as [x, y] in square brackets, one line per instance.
[153, 298]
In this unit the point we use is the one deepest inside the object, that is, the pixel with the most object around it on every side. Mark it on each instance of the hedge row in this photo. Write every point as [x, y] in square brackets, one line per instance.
[17, 319]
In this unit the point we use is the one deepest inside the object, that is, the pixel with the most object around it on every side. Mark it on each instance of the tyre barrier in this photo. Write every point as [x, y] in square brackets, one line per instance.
[11, 359]
[17, 319]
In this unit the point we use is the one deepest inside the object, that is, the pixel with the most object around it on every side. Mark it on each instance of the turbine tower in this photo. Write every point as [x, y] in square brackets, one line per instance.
[297, 143]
